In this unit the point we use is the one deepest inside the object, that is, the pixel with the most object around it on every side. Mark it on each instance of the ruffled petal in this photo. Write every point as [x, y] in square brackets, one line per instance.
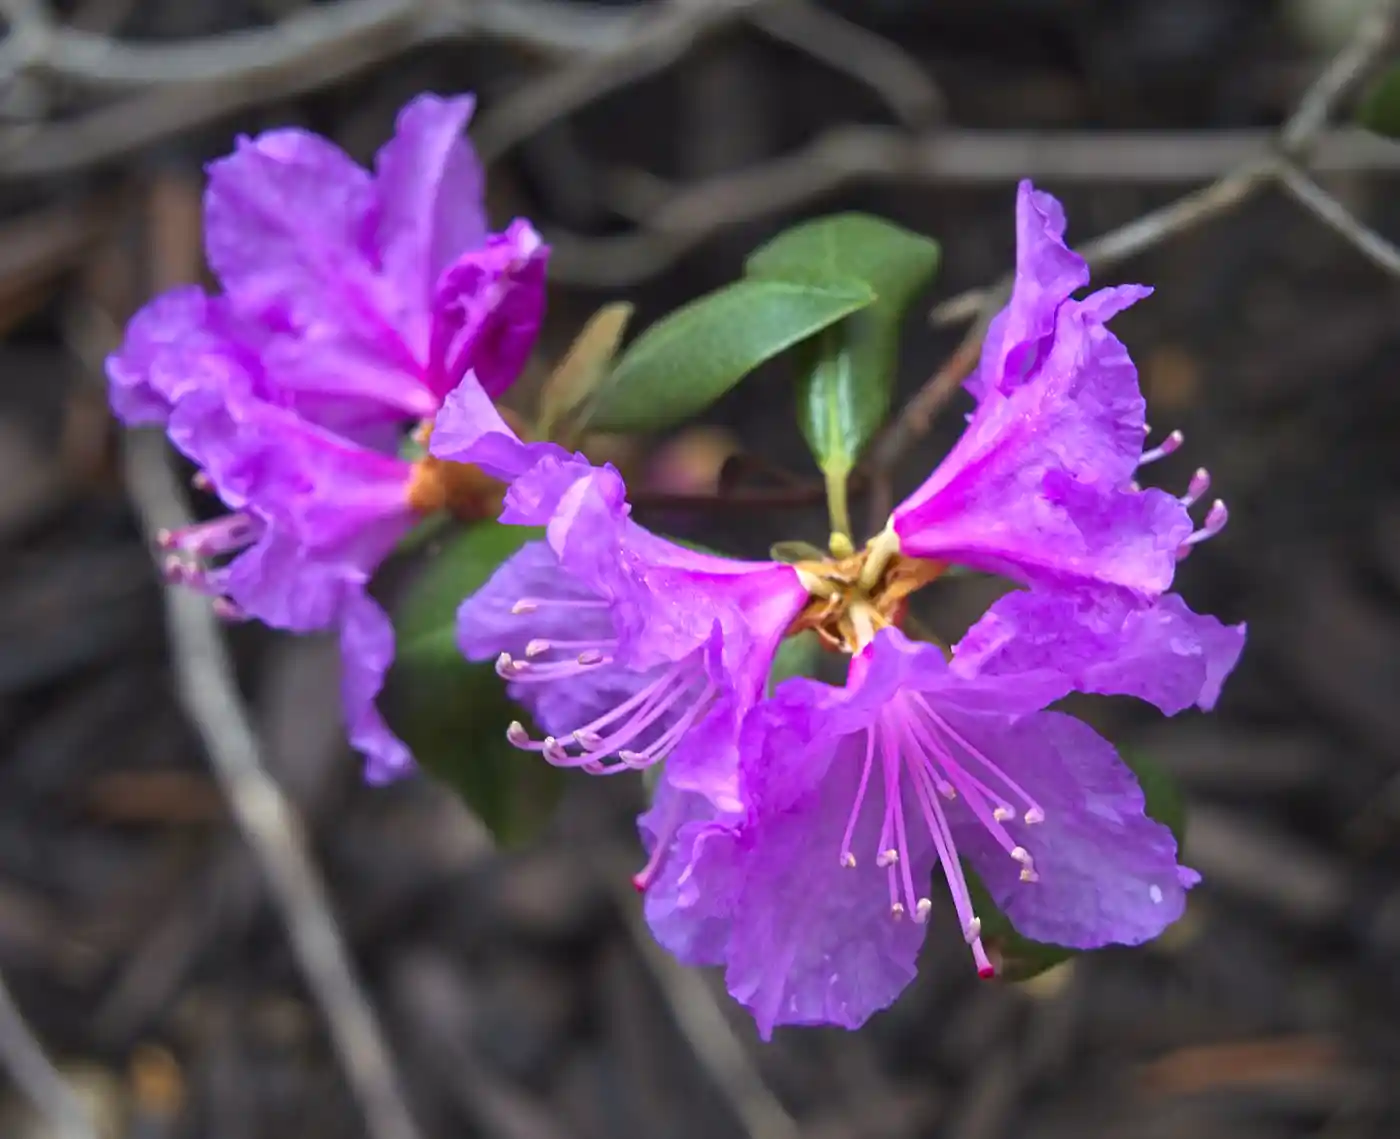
[1033, 491]
[469, 429]
[1107, 873]
[283, 585]
[1047, 273]
[366, 651]
[431, 208]
[813, 941]
[178, 343]
[487, 310]
[1164, 654]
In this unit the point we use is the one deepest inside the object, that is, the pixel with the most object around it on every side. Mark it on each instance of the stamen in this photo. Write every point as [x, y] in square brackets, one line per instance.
[1216, 518]
[848, 860]
[200, 481]
[860, 801]
[1003, 813]
[517, 735]
[530, 604]
[921, 910]
[897, 910]
[972, 930]
[886, 858]
[1170, 445]
[537, 647]
[1034, 816]
[227, 610]
[1199, 484]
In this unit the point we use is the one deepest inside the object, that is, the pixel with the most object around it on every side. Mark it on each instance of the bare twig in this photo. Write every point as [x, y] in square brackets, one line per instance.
[31, 1071]
[666, 35]
[307, 38]
[846, 155]
[899, 80]
[1302, 135]
[204, 675]
[1327, 208]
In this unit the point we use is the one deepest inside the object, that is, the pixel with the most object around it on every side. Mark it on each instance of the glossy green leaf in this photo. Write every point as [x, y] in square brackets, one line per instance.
[453, 713]
[1379, 109]
[1019, 958]
[688, 359]
[850, 369]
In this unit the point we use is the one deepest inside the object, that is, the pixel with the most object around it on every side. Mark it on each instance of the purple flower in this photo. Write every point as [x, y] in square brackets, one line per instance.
[352, 304]
[813, 892]
[366, 297]
[626, 648]
[1040, 486]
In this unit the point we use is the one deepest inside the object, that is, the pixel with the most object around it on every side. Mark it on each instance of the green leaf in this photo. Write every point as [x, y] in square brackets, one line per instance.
[452, 712]
[1379, 109]
[578, 376]
[1019, 957]
[845, 394]
[796, 656]
[688, 359]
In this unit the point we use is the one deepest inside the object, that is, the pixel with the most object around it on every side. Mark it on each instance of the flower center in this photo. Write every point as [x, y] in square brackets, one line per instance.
[853, 597]
[923, 762]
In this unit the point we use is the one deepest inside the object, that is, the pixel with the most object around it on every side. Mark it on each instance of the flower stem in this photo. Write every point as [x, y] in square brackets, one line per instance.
[838, 509]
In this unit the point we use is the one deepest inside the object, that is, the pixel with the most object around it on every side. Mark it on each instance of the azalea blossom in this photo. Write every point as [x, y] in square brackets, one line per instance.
[811, 888]
[626, 648]
[354, 303]
[814, 896]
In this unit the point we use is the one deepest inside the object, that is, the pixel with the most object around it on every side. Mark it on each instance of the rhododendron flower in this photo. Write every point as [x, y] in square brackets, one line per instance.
[626, 648]
[815, 894]
[353, 304]
[1040, 487]
[811, 887]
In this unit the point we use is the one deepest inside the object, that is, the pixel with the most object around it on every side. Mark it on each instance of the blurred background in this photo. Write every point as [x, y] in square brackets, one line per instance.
[655, 144]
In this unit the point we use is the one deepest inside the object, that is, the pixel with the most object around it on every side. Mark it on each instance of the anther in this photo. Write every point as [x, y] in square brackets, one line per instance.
[1199, 484]
[165, 539]
[848, 860]
[1216, 518]
[591, 656]
[553, 750]
[507, 666]
[1171, 444]
[1003, 813]
[524, 605]
[1029, 875]
[536, 647]
[921, 910]
[589, 741]
[1033, 816]
[886, 858]
[201, 481]
[1022, 855]
[897, 911]
[632, 758]
[972, 930]
[947, 790]
[226, 610]
[517, 735]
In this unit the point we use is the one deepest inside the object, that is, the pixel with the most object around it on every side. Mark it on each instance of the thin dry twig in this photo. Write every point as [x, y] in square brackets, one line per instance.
[1331, 212]
[24, 1059]
[897, 78]
[668, 33]
[1300, 137]
[204, 677]
[846, 155]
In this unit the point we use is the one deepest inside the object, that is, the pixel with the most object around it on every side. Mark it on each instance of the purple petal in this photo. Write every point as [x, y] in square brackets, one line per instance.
[366, 651]
[1047, 273]
[278, 582]
[1107, 873]
[288, 230]
[430, 190]
[487, 310]
[814, 941]
[469, 429]
[178, 343]
[1165, 654]
[1033, 490]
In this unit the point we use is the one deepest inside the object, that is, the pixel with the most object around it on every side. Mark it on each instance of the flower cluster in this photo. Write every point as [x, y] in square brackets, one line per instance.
[793, 836]
[353, 304]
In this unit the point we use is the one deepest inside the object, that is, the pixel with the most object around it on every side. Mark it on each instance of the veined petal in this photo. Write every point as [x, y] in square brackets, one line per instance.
[469, 429]
[1165, 654]
[430, 191]
[366, 651]
[1106, 872]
